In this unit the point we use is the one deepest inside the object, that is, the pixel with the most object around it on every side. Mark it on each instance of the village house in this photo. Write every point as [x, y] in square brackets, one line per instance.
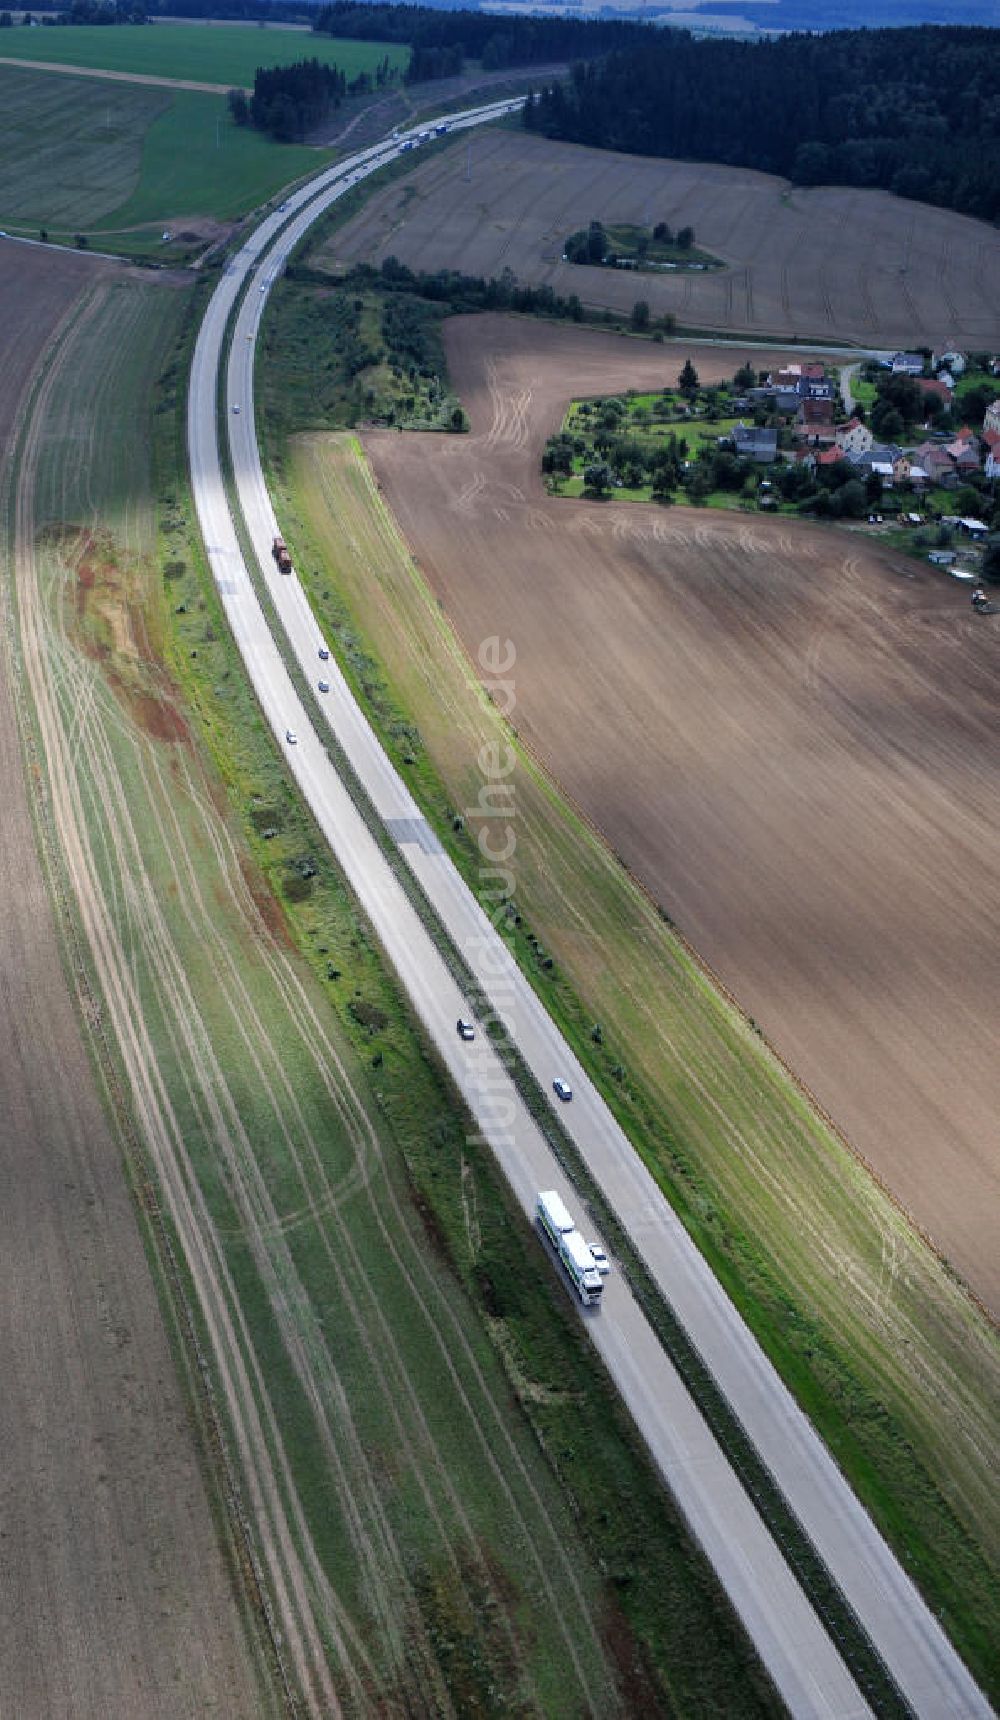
[935, 387]
[953, 361]
[907, 364]
[932, 458]
[853, 437]
[964, 451]
[814, 422]
[884, 459]
[752, 443]
[992, 419]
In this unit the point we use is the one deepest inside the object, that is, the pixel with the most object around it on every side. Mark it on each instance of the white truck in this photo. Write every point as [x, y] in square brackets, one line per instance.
[566, 1242]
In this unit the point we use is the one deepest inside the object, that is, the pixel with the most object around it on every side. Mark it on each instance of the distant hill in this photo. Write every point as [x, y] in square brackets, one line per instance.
[848, 14]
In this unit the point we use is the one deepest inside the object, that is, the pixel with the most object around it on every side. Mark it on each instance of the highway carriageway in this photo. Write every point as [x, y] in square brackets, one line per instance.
[788, 1635]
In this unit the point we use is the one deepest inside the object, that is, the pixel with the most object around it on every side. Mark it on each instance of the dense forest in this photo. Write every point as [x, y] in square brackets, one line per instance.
[289, 101]
[914, 111]
[442, 40]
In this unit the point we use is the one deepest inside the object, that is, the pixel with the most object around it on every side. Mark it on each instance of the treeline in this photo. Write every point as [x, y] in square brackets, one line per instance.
[472, 293]
[915, 111]
[443, 40]
[88, 12]
[96, 11]
[289, 101]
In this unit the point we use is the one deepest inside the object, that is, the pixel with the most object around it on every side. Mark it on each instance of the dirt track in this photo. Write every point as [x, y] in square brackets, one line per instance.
[115, 1598]
[830, 263]
[117, 77]
[788, 735]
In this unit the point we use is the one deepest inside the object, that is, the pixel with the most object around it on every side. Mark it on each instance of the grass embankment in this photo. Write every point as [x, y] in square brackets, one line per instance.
[192, 52]
[825, 1269]
[470, 1490]
[117, 160]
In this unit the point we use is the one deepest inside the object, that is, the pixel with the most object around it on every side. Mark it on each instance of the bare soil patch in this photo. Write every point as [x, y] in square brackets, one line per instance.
[113, 1590]
[827, 263]
[786, 732]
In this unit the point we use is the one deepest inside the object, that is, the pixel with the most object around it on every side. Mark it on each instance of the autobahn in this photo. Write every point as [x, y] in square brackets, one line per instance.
[796, 1649]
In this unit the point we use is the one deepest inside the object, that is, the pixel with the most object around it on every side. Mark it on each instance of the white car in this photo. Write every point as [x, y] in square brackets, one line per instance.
[291, 737]
[466, 1030]
[600, 1259]
[324, 686]
[236, 410]
[562, 1090]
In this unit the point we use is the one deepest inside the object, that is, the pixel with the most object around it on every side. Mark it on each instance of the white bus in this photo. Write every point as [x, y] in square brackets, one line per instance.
[574, 1255]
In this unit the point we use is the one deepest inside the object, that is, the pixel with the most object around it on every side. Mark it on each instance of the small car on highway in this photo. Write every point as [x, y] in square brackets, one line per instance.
[600, 1259]
[236, 409]
[291, 737]
[466, 1030]
[562, 1090]
[324, 654]
[324, 686]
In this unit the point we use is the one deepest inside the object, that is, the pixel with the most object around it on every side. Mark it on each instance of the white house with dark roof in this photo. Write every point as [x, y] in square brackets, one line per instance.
[853, 437]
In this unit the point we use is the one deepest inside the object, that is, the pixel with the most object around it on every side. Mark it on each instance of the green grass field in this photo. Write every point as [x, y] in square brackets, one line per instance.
[82, 155]
[228, 54]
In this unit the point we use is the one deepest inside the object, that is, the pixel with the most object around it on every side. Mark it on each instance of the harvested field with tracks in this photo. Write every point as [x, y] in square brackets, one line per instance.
[830, 263]
[115, 1596]
[787, 734]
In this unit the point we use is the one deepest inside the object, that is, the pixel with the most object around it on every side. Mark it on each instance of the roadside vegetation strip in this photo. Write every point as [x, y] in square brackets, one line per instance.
[190, 52]
[242, 1079]
[417, 689]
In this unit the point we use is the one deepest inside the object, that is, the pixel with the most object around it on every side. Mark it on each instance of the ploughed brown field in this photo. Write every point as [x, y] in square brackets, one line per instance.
[829, 263]
[113, 1591]
[787, 732]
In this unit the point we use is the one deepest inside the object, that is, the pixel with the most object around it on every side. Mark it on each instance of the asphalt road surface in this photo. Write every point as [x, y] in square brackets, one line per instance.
[786, 1632]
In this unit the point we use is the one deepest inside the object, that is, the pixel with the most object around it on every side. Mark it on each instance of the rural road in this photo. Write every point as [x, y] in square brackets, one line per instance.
[792, 1643]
